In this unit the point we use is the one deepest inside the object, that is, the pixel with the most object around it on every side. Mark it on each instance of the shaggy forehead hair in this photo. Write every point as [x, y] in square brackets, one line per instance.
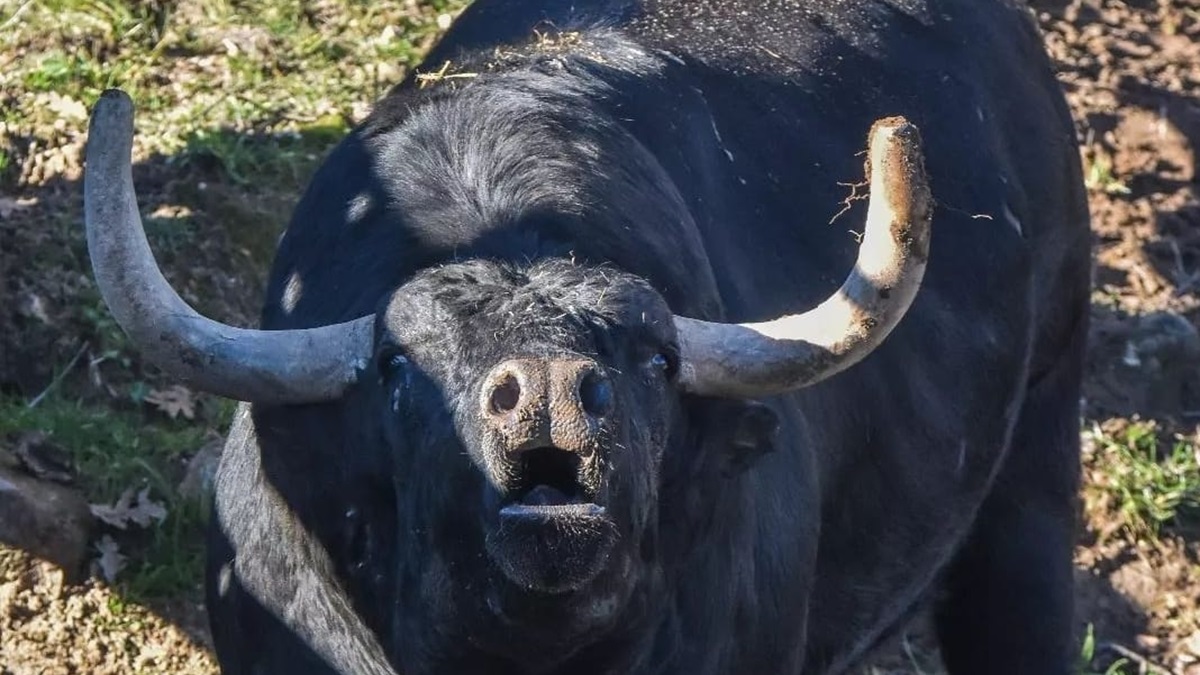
[549, 300]
[510, 140]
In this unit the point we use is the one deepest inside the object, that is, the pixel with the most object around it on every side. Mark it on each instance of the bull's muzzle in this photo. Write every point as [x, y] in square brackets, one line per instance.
[561, 403]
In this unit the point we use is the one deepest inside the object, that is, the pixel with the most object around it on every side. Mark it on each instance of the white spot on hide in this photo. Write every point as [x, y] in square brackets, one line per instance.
[1012, 220]
[604, 608]
[358, 207]
[292, 292]
[720, 142]
[224, 577]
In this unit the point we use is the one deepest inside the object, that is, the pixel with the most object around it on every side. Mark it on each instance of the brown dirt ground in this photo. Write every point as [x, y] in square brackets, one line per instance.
[1131, 71]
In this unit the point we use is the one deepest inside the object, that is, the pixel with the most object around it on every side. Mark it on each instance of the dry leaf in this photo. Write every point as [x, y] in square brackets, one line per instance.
[111, 561]
[125, 511]
[147, 510]
[173, 400]
[114, 515]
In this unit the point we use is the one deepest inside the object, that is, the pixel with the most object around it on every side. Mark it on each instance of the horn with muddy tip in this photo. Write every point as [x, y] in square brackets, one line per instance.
[763, 359]
[288, 366]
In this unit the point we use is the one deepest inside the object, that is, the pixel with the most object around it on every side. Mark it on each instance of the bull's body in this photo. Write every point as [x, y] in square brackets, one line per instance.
[944, 462]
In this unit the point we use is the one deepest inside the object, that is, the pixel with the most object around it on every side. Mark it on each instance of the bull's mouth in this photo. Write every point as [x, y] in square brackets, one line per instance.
[550, 535]
[548, 479]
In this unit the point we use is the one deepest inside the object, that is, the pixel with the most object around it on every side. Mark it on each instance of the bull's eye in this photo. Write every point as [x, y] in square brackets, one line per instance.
[665, 362]
[391, 364]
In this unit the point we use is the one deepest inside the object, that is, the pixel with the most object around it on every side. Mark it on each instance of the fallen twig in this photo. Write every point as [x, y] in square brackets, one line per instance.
[59, 378]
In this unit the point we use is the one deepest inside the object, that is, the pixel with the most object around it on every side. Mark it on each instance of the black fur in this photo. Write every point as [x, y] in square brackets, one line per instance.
[612, 163]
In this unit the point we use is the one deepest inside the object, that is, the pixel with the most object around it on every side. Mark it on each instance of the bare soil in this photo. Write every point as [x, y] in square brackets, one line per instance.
[1131, 71]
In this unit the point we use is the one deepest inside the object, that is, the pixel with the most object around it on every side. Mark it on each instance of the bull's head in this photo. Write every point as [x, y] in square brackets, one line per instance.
[557, 379]
[561, 380]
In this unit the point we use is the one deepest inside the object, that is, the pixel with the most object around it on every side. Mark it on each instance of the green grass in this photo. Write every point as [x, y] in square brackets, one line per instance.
[1100, 176]
[252, 160]
[115, 448]
[58, 72]
[271, 66]
[1149, 481]
[1123, 665]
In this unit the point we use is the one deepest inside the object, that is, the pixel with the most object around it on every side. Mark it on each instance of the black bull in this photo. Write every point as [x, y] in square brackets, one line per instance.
[504, 418]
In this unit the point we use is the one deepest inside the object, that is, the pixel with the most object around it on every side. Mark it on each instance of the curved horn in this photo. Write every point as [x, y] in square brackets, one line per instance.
[292, 366]
[763, 359]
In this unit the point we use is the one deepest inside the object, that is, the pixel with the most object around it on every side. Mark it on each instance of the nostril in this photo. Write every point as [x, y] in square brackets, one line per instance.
[595, 394]
[506, 395]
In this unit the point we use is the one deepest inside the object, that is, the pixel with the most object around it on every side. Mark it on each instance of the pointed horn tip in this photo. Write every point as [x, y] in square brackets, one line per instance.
[110, 128]
[895, 126]
[896, 140]
[896, 169]
[113, 106]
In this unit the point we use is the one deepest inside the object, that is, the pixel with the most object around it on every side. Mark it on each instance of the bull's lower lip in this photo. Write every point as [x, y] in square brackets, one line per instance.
[584, 510]
[551, 548]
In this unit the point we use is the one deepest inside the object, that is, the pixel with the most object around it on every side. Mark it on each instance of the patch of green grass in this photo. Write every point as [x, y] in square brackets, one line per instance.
[1087, 656]
[262, 67]
[1100, 176]
[1150, 483]
[266, 160]
[115, 448]
[60, 72]
[172, 560]
[110, 341]
[121, 18]
[169, 233]
[1087, 664]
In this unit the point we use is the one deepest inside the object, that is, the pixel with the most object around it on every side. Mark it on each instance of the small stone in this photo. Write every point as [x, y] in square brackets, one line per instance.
[1136, 581]
[42, 459]
[1192, 644]
[1161, 357]
[48, 521]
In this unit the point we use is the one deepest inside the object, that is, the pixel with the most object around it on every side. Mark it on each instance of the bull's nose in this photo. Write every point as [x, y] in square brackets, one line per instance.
[560, 402]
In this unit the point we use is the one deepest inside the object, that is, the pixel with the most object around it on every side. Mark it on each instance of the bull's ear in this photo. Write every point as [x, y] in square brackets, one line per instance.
[753, 435]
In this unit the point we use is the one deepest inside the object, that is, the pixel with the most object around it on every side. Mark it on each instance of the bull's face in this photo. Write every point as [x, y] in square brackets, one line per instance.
[538, 401]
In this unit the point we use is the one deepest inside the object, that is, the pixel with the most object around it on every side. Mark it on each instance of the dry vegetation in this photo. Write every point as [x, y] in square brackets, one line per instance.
[237, 101]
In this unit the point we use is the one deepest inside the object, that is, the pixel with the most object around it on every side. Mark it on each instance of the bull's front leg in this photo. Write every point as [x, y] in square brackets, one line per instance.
[1010, 592]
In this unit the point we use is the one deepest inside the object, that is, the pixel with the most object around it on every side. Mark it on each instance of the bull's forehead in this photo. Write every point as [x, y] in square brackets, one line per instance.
[547, 305]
